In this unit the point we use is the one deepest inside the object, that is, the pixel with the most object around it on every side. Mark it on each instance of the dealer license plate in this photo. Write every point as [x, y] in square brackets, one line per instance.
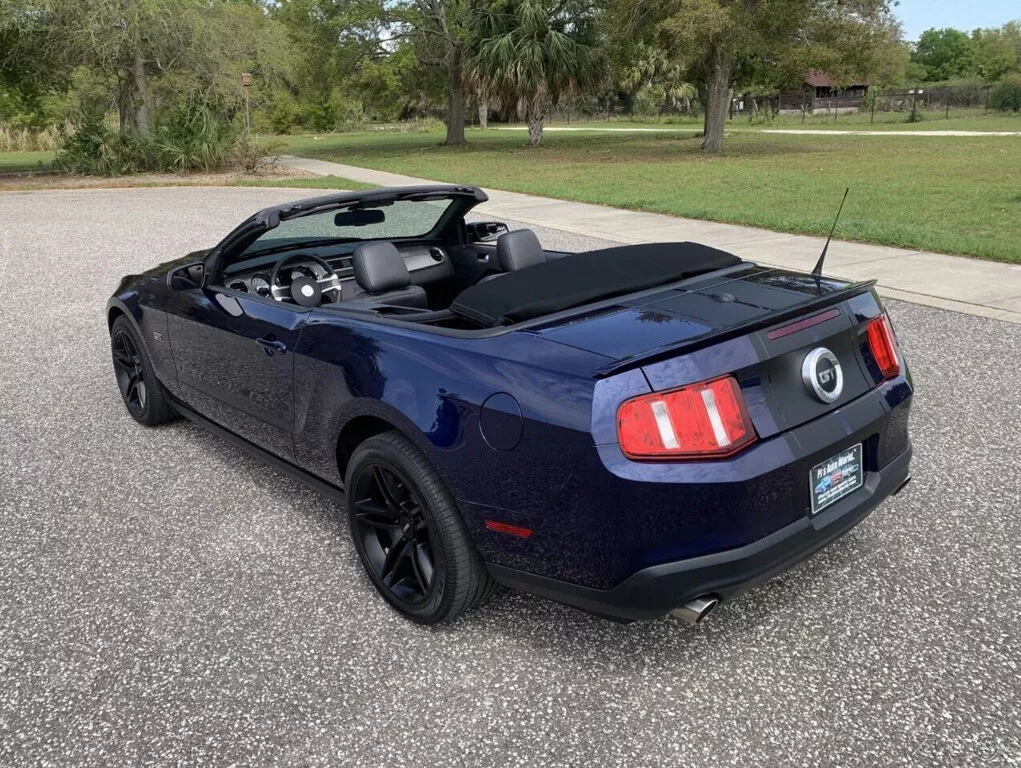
[835, 478]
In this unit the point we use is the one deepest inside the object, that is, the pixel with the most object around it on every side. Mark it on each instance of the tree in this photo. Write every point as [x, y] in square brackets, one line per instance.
[127, 39]
[997, 52]
[28, 66]
[892, 64]
[480, 88]
[945, 54]
[331, 46]
[396, 85]
[640, 69]
[188, 48]
[445, 25]
[760, 42]
[532, 52]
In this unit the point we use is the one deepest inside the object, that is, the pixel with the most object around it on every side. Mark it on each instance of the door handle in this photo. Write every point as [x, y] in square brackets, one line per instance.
[270, 345]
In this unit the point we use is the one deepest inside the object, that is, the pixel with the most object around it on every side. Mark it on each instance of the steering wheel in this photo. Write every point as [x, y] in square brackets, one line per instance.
[305, 291]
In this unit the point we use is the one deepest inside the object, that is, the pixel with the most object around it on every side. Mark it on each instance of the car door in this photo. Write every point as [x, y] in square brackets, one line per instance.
[234, 354]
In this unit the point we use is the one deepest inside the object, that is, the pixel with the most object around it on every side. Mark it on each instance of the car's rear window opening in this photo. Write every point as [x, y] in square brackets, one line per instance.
[583, 278]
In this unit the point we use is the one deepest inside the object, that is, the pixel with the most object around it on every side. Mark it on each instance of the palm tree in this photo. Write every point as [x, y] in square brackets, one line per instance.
[531, 52]
[641, 71]
[478, 83]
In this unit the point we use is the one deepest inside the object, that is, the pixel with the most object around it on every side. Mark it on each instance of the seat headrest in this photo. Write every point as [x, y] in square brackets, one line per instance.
[519, 249]
[380, 267]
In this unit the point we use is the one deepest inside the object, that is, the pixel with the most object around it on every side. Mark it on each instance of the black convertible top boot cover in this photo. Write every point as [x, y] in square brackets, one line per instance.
[582, 278]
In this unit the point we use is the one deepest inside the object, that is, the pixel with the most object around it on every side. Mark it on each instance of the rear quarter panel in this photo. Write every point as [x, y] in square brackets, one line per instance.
[433, 388]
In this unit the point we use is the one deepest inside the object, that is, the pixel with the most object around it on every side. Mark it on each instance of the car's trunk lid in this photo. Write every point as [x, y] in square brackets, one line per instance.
[702, 309]
[729, 325]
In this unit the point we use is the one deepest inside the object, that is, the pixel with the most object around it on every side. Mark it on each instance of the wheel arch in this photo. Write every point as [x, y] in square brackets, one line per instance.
[366, 417]
[111, 316]
[116, 307]
[148, 324]
[354, 433]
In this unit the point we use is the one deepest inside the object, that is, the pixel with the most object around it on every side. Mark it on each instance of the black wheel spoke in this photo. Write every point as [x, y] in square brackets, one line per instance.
[392, 563]
[371, 506]
[421, 567]
[136, 390]
[388, 487]
[375, 515]
[123, 359]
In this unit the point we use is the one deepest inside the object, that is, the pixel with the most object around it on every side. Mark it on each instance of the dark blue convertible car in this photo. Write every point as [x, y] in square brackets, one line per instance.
[634, 431]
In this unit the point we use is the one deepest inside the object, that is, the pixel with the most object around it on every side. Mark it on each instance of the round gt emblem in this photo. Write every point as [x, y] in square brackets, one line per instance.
[822, 375]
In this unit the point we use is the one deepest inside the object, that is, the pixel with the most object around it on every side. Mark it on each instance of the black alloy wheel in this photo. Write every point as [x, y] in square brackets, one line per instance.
[144, 396]
[128, 368]
[390, 523]
[410, 534]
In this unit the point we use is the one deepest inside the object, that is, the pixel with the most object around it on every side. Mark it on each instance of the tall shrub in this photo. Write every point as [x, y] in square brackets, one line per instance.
[1006, 95]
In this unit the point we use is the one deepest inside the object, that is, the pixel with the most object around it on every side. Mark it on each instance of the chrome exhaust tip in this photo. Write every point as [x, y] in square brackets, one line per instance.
[694, 611]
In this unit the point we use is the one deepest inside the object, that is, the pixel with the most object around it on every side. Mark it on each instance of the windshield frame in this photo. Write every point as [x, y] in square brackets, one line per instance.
[283, 245]
[232, 247]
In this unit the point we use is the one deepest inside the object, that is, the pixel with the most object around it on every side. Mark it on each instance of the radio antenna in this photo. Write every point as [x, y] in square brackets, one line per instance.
[817, 272]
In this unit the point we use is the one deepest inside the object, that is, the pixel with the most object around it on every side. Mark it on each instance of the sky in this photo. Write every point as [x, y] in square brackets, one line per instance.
[920, 15]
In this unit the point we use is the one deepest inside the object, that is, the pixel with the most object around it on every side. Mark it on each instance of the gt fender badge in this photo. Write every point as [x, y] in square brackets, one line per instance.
[822, 375]
[157, 335]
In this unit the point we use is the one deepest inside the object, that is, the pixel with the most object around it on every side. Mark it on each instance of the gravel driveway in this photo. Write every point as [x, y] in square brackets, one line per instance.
[166, 600]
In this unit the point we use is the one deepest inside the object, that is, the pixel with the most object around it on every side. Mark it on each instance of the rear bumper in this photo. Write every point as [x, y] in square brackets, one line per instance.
[655, 591]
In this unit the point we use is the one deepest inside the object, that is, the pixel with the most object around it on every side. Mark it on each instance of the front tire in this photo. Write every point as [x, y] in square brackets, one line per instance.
[144, 397]
[409, 533]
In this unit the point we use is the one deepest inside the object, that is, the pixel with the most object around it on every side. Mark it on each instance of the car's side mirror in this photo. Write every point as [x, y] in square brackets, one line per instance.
[484, 230]
[187, 277]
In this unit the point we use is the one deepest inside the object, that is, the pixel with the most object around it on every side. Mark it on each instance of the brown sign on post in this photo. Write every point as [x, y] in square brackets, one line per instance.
[246, 79]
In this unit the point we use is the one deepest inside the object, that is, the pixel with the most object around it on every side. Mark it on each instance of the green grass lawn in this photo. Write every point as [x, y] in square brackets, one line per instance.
[319, 182]
[959, 120]
[954, 195]
[16, 162]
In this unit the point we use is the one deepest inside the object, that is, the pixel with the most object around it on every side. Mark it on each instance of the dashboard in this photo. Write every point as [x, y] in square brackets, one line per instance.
[418, 258]
[258, 282]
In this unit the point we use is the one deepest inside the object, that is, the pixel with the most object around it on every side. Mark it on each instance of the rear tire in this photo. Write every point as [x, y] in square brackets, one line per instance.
[143, 395]
[409, 532]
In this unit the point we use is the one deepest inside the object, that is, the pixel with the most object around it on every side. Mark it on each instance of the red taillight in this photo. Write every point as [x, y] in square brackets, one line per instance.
[883, 346]
[707, 420]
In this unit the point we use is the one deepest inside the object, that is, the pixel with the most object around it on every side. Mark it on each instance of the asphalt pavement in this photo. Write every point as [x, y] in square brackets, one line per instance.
[167, 600]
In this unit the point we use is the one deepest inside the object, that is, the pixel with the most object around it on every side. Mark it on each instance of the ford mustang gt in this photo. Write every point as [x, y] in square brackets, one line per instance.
[636, 431]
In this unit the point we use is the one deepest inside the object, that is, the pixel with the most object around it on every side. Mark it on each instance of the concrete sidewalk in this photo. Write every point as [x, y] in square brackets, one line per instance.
[972, 286]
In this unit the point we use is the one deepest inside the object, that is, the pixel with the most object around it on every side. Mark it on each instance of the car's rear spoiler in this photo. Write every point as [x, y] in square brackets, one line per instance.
[742, 329]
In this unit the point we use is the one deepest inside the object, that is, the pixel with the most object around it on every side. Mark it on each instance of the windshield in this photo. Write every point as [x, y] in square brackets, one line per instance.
[403, 218]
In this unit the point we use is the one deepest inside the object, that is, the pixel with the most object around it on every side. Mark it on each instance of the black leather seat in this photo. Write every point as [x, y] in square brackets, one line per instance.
[517, 250]
[381, 273]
